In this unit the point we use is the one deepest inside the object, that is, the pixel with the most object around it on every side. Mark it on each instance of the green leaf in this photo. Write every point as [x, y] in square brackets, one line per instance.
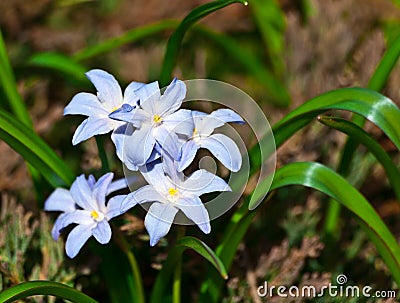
[370, 104]
[7, 80]
[270, 20]
[327, 181]
[60, 63]
[360, 136]
[367, 103]
[35, 151]
[117, 273]
[33, 288]
[173, 258]
[128, 37]
[385, 67]
[174, 42]
[276, 91]
[377, 82]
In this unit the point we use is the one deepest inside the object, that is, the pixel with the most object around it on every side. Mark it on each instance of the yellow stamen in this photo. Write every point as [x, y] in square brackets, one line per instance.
[114, 109]
[94, 214]
[157, 119]
[194, 132]
[172, 191]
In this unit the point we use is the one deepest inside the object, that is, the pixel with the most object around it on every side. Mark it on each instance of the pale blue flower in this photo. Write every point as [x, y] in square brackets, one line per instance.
[97, 107]
[171, 193]
[221, 146]
[85, 205]
[156, 120]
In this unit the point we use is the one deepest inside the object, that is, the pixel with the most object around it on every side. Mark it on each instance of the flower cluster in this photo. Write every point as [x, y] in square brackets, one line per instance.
[154, 136]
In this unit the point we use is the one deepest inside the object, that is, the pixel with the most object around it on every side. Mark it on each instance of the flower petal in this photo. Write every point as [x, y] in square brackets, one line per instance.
[118, 136]
[77, 238]
[224, 149]
[158, 221]
[170, 167]
[148, 193]
[91, 181]
[93, 126]
[85, 104]
[60, 200]
[100, 190]
[127, 113]
[195, 210]
[202, 181]
[82, 193]
[188, 152]
[102, 232]
[130, 96]
[56, 230]
[121, 184]
[227, 115]
[206, 125]
[139, 146]
[172, 98]
[168, 141]
[180, 122]
[76, 217]
[149, 95]
[114, 206]
[108, 89]
[65, 219]
[154, 174]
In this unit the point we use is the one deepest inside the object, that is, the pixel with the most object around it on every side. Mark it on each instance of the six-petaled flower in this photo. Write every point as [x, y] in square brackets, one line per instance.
[169, 194]
[85, 205]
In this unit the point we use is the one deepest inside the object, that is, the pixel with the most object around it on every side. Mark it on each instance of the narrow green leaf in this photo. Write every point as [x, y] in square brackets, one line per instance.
[370, 104]
[7, 80]
[377, 82]
[128, 37]
[174, 42]
[33, 288]
[60, 63]
[174, 256]
[35, 151]
[205, 251]
[117, 274]
[18, 107]
[360, 136]
[385, 67]
[367, 103]
[276, 91]
[327, 181]
[270, 20]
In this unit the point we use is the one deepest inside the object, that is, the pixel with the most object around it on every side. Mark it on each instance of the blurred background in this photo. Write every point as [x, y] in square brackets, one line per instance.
[281, 53]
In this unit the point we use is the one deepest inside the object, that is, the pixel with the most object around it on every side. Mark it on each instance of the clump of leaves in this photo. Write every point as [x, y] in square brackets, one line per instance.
[27, 251]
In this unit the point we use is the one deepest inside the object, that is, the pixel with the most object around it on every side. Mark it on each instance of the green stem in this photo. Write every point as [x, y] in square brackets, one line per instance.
[125, 247]
[105, 167]
[176, 286]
